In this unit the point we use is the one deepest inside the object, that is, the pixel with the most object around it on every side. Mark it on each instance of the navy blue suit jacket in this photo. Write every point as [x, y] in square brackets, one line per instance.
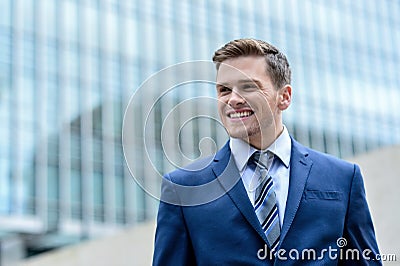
[326, 202]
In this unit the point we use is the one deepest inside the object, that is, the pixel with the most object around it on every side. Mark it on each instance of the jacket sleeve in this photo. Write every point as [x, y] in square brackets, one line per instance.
[172, 242]
[359, 231]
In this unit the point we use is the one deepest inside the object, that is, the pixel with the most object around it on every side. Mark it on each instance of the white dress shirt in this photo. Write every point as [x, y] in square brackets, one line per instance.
[279, 171]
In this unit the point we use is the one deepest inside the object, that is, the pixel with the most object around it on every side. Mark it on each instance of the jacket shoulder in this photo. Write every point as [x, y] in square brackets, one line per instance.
[200, 171]
[327, 161]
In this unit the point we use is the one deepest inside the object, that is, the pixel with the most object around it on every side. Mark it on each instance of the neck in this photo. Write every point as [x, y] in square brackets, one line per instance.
[263, 141]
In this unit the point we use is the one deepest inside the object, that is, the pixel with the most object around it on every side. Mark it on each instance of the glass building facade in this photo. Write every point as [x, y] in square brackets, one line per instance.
[68, 69]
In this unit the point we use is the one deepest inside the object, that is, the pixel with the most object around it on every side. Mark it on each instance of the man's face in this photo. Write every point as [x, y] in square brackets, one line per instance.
[247, 99]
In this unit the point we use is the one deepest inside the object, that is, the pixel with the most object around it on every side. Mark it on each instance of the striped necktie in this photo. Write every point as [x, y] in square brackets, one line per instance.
[265, 200]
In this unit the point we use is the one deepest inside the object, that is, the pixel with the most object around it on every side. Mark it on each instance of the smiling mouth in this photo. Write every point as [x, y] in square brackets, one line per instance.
[240, 114]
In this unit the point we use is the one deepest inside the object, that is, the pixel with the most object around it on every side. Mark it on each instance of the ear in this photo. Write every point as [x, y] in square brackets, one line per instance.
[285, 97]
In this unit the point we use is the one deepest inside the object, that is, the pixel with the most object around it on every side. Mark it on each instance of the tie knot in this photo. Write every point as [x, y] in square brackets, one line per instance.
[263, 159]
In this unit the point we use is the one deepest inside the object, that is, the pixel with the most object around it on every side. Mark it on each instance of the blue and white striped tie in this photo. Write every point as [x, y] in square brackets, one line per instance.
[265, 199]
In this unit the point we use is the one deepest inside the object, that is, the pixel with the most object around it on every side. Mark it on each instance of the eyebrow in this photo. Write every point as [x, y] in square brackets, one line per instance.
[257, 82]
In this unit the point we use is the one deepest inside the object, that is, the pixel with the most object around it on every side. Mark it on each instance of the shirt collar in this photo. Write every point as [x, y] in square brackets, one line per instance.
[242, 151]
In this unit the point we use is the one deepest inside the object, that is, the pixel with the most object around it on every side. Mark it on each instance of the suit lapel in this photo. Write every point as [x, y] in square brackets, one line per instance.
[227, 172]
[300, 166]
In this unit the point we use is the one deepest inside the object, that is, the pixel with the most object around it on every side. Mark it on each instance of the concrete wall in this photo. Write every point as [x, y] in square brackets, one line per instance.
[381, 171]
[130, 247]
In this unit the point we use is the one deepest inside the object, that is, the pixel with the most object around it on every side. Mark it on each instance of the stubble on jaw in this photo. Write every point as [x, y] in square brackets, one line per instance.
[258, 135]
[247, 134]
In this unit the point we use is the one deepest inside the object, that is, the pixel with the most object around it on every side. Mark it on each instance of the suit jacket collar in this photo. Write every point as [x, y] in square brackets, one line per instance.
[300, 166]
[224, 167]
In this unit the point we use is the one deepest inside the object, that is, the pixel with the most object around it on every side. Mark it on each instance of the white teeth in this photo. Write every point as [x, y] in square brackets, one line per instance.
[240, 114]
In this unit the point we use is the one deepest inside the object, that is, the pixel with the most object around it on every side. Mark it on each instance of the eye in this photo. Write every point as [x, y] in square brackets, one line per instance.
[223, 90]
[249, 86]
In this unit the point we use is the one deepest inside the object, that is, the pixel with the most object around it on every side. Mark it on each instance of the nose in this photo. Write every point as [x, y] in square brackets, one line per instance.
[235, 99]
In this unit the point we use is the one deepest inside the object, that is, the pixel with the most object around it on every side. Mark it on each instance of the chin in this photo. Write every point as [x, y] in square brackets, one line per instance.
[238, 134]
[244, 134]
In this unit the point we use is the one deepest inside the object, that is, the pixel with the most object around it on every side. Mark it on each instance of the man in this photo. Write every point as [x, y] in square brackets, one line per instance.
[276, 201]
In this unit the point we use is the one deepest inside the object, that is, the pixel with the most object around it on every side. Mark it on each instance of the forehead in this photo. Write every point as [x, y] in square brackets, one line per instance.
[242, 68]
